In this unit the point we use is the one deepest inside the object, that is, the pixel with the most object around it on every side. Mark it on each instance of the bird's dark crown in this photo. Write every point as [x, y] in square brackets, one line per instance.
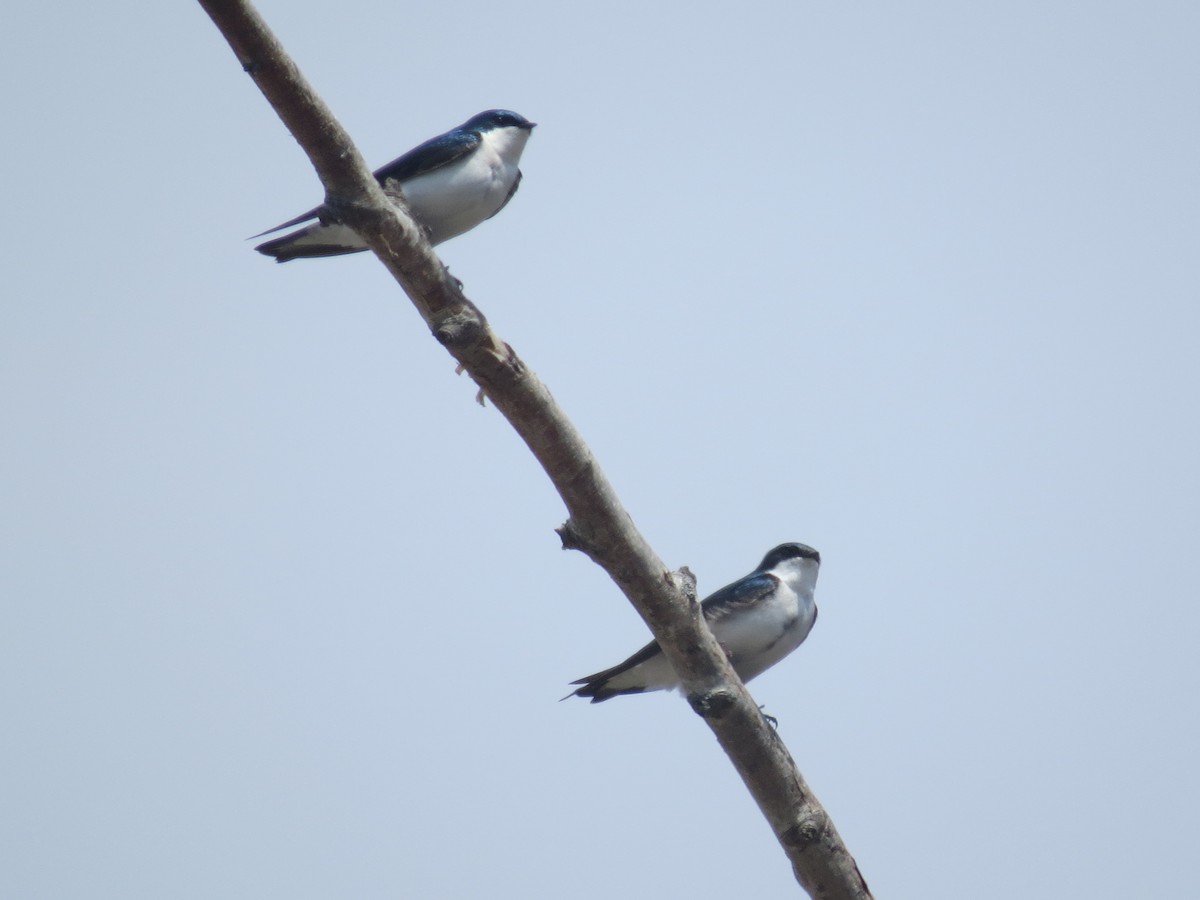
[788, 551]
[496, 118]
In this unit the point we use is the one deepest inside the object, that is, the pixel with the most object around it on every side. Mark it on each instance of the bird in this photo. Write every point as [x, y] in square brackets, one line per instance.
[758, 620]
[450, 184]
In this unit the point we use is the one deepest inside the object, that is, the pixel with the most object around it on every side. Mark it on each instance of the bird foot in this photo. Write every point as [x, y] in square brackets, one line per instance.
[771, 720]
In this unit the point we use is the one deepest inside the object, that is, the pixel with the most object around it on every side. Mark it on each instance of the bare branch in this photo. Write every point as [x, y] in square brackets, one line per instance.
[597, 525]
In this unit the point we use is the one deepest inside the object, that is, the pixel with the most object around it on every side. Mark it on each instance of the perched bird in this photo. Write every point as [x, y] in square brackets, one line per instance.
[450, 183]
[758, 619]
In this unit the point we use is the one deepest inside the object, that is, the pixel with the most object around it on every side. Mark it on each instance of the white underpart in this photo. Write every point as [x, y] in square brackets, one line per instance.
[452, 199]
[778, 626]
[456, 198]
[655, 674]
[755, 640]
[327, 236]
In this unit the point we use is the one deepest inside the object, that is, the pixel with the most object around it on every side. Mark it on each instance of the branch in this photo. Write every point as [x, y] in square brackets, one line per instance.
[597, 524]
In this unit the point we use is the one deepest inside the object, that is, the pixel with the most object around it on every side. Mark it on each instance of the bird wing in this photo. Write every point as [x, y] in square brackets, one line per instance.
[735, 597]
[420, 160]
[429, 156]
[512, 190]
[650, 651]
[303, 217]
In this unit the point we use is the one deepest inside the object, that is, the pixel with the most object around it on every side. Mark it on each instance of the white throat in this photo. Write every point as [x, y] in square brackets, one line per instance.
[799, 573]
[508, 143]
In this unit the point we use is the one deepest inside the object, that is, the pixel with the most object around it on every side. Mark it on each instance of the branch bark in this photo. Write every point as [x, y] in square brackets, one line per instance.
[597, 524]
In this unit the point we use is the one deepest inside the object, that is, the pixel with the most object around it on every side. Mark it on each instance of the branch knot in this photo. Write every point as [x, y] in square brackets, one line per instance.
[712, 704]
[459, 328]
[804, 833]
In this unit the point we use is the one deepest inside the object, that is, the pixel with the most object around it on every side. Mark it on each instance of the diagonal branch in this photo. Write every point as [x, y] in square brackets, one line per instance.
[597, 524]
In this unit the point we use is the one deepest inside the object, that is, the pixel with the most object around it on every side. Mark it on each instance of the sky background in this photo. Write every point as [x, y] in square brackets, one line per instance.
[283, 612]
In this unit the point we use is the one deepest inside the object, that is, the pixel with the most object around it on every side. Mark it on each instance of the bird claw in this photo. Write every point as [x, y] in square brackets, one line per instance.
[480, 396]
[457, 281]
[771, 720]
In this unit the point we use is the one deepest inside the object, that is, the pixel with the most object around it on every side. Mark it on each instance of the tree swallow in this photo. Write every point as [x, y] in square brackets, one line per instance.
[450, 184]
[758, 619]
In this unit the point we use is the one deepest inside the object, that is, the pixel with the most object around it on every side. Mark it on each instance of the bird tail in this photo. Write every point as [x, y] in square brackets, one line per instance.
[600, 686]
[312, 242]
[598, 691]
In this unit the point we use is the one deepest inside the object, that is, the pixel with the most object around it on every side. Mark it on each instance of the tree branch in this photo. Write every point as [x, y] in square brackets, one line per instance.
[597, 525]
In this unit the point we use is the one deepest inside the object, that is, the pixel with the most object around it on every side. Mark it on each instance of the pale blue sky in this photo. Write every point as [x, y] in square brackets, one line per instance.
[283, 610]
